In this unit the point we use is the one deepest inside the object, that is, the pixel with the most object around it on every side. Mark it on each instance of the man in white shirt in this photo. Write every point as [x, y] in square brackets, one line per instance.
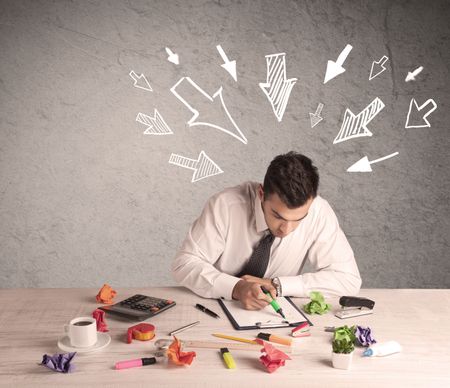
[216, 260]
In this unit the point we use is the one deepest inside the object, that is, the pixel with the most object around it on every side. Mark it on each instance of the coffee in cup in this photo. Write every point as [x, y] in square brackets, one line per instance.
[82, 332]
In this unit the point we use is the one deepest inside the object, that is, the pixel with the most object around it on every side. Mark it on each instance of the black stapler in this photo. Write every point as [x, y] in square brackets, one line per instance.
[353, 306]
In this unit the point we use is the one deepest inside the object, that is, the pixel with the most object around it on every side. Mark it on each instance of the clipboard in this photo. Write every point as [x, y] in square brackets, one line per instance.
[266, 318]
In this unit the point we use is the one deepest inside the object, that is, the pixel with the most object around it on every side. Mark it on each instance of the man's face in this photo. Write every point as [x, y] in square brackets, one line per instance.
[279, 218]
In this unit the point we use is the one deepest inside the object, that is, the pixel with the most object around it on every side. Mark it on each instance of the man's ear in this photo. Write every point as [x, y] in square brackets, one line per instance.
[261, 193]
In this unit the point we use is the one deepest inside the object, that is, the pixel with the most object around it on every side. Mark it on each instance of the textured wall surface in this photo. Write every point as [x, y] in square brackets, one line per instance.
[87, 198]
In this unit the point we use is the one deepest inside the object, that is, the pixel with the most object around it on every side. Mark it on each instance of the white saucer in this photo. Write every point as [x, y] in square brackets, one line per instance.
[103, 340]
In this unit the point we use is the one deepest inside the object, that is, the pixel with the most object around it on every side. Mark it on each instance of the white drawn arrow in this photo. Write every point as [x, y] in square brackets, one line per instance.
[378, 67]
[277, 88]
[172, 57]
[229, 66]
[419, 120]
[140, 81]
[237, 134]
[203, 167]
[335, 68]
[412, 75]
[363, 165]
[315, 117]
[156, 125]
[356, 125]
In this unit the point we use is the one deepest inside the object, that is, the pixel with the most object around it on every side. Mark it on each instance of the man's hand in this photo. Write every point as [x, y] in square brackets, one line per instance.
[266, 283]
[250, 295]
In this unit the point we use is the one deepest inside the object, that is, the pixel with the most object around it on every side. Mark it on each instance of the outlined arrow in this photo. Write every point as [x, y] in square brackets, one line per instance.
[277, 88]
[229, 66]
[363, 165]
[335, 68]
[378, 67]
[172, 57]
[315, 117]
[237, 134]
[422, 118]
[203, 167]
[356, 125]
[156, 125]
[412, 75]
[140, 81]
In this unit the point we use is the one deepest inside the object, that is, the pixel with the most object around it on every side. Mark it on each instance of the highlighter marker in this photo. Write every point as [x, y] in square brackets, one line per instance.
[135, 363]
[228, 358]
[275, 338]
[274, 303]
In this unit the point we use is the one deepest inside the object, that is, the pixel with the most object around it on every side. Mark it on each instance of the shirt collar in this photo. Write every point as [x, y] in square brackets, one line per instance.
[261, 225]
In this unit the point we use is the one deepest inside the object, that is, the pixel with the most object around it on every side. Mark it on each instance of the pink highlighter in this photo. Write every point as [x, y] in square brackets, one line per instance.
[135, 363]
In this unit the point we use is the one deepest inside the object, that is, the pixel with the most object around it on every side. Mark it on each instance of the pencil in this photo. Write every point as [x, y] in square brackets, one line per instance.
[248, 341]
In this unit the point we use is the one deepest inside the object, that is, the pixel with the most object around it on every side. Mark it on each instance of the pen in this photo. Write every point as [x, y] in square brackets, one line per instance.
[274, 303]
[207, 311]
[230, 337]
[275, 338]
[184, 328]
[228, 358]
[135, 363]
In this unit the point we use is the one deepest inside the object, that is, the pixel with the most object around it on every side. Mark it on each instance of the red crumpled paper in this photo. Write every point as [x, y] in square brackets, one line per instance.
[99, 316]
[178, 357]
[273, 358]
[106, 294]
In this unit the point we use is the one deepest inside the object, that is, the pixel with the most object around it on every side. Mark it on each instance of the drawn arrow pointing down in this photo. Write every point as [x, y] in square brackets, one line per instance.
[315, 117]
[335, 68]
[229, 66]
[363, 165]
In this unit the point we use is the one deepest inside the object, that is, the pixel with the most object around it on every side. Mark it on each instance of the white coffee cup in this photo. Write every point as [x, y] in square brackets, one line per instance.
[82, 332]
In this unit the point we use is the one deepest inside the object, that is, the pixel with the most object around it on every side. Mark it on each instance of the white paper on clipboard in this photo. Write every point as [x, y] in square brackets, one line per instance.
[267, 317]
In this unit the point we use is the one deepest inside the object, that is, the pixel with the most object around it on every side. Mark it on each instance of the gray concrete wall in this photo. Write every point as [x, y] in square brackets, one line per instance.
[87, 198]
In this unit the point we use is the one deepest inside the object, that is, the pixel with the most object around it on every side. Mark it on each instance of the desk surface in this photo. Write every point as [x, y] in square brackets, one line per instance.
[31, 320]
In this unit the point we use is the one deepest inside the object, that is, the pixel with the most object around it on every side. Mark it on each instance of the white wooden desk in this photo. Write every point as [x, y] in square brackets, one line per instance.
[31, 320]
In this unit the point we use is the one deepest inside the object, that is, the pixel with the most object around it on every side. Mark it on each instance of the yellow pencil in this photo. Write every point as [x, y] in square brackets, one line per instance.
[249, 341]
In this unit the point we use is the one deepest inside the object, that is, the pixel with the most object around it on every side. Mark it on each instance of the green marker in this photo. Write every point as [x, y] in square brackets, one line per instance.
[274, 303]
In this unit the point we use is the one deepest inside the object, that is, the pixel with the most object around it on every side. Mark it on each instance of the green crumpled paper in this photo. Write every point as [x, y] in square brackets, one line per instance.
[317, 304]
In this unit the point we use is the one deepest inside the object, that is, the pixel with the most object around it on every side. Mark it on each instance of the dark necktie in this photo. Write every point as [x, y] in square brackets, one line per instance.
[259, 260]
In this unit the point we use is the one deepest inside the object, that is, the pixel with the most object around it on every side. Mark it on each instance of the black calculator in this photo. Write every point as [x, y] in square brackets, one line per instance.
[139, 307]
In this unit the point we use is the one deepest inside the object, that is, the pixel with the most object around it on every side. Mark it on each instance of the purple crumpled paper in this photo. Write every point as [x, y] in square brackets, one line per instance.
[364, 336]
[59, 362]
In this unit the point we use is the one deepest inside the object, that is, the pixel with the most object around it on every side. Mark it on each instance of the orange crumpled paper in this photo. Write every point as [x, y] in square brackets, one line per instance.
[178, 357]
[106, 294]
[273, 358]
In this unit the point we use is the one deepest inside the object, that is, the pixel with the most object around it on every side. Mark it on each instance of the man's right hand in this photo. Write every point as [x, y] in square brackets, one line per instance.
[250, 295]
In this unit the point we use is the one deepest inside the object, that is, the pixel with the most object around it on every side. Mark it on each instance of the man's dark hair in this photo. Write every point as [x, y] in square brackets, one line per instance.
[293, 177]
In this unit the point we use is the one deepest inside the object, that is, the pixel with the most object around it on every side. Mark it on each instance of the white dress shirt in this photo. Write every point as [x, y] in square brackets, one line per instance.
[222, 239]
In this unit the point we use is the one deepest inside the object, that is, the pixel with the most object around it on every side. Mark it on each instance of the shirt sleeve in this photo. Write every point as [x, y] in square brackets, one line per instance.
[332, 259]
[193, 266]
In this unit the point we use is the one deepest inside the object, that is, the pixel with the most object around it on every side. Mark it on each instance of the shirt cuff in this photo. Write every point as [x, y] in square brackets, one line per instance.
[224, 284]
[292, 286]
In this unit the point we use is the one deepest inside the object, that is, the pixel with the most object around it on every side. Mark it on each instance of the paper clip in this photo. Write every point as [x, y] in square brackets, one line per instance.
[271, 324]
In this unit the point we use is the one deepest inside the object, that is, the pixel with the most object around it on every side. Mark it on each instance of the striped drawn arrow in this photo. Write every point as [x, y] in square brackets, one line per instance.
[155, 125]
[203, 167]
[356, 125]
[277, 88]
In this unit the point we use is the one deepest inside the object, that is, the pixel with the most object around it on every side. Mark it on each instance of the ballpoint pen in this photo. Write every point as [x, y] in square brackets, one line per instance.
[207, 311]
[274, 303]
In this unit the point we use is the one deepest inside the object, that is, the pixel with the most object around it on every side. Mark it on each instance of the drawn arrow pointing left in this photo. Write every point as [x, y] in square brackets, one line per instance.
[277, 88]
[203, 167]
[363, 165]
[237, 134]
